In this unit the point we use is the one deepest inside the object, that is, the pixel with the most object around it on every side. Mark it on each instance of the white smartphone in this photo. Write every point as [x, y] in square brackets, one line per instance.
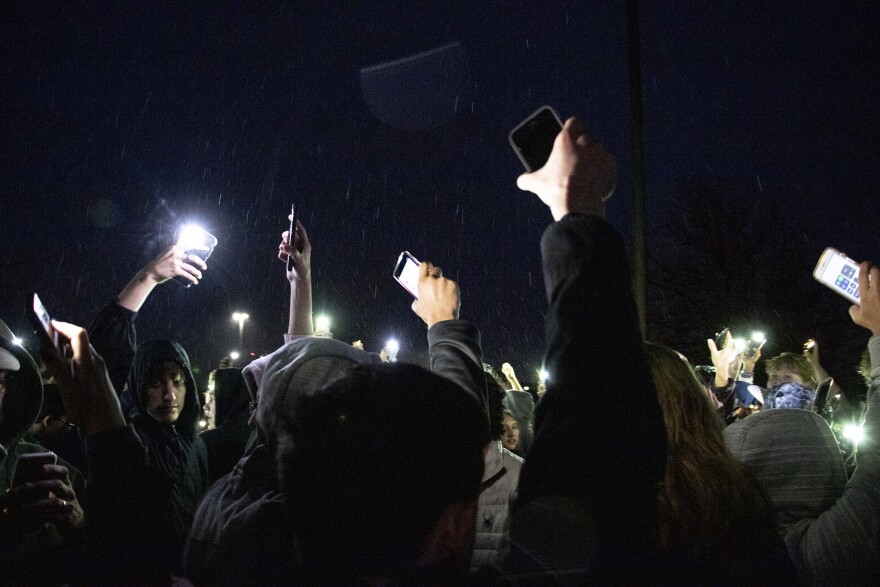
[406, 272]
[838, 272]
[532, 139]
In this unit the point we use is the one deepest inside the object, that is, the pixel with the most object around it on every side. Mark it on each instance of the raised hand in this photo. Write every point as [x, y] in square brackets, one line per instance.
[439, 298]
[300, 252]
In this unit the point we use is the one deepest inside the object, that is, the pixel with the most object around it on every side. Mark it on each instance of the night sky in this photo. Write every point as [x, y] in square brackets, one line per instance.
[119, 122]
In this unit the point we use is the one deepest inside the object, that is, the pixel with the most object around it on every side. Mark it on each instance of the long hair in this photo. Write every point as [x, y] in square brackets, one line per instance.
[707, 499]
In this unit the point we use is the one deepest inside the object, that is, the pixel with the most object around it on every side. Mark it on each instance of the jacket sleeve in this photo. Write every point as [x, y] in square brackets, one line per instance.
[600, 441]
[114, 336]
[841, 546]
[454, 348]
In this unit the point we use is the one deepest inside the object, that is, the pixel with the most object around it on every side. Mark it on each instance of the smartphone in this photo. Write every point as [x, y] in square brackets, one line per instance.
[29, 469]
[406, 272]
[822, 395]
[532, 139]
[721, 338]
[291, 235]
[198, 242]
[839, 272]
[42, 324]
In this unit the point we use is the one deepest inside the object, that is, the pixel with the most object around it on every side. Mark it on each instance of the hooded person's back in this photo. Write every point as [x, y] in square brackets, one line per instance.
[226, 443]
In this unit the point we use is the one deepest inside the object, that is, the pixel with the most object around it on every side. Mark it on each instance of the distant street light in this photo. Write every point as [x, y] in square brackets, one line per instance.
[240, 317]
[234, 355]
[389, 353]
[322, 326]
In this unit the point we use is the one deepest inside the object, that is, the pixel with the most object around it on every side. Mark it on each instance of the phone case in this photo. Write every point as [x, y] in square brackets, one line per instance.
[839, 273]
[516, 148]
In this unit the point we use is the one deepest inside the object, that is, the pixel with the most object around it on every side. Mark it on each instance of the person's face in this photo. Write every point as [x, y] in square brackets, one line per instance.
[510, 435]
[165, 397]
[783, 375]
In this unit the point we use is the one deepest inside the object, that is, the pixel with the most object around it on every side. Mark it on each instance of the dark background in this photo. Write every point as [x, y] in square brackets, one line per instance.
[120, 121]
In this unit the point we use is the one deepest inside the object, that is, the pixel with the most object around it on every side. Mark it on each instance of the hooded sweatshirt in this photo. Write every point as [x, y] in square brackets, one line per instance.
[831, 526]
[174, 449]
[239, 534]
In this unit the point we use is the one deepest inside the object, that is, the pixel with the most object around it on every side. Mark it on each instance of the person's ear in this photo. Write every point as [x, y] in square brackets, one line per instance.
[453, 535]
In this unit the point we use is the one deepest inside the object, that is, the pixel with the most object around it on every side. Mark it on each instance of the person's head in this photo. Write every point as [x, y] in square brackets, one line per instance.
[704, 487]
[495, 406]
[165, 392]
[163, 386]
[52, 420]
[371, 494]
[510, 432]
[22, 389]
[789, 368]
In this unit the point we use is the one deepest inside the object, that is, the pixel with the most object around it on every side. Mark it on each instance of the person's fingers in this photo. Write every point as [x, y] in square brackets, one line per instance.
[436, 272]
[302, 234]
[79, 342]
[196, 260]
[425, 268]
[415, 306]
[190, 272]
[527, 182]
[713, 348]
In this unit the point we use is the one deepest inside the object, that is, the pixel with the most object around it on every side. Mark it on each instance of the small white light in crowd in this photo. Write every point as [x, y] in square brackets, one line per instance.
[739, 345]
[543, 375]
[234, 355]
[392, 347]
[16, 340]
[758, 337]
[203, 424]
[322, 323]
[854, 432]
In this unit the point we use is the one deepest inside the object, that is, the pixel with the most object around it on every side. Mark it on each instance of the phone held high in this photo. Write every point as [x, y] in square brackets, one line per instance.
[406, 272]
[532, 139]
[196, 241]
[291, 235]
[839, 273]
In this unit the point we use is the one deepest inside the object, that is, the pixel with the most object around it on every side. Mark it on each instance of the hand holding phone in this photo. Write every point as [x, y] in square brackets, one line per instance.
[291, 236]
[42, 323]
[839, 273]
[197, 242]
[406, 272]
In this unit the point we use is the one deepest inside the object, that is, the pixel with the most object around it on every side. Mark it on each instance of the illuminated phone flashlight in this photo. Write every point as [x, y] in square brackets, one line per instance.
[322, 326]
[392, 347]
[739, 345]
[809, 344]
[234, 355]
[543, 375]
[854, 433]
[758, 339]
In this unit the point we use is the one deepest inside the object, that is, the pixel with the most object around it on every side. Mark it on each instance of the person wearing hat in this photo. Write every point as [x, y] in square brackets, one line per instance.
[39, 530]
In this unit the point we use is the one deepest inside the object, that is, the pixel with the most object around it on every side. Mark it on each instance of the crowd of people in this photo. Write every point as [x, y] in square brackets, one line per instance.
[328, 464]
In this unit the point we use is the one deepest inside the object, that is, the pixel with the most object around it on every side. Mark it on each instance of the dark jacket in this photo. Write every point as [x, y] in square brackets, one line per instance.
[175, 455]
[45, 554]
[587, 504]
[226, 442]
[239, 534]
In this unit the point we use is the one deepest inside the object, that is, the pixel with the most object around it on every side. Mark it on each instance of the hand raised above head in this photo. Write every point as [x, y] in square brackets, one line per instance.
[867, 313]
[579, 175]
[439, 298]
[174, 261]
[300, 252]
[86, 391]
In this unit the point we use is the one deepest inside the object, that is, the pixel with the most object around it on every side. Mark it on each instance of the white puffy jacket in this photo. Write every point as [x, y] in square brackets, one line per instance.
[500, 480]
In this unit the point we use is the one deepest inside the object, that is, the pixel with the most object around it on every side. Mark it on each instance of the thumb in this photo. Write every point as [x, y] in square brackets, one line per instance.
[526, 182]
[712, 347]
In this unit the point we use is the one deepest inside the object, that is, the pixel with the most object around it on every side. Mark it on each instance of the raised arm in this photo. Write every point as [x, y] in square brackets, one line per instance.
[600, 442]
[113, 333]
[841, 545]
[453, 344]
[300, 278]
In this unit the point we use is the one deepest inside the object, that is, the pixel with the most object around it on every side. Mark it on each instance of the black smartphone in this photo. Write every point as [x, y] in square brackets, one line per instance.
[42, 323]
[29, 469]
[406, 272]
[198, 242]
[822, 395]
[291, 235]
[532, 139]
[721, 338]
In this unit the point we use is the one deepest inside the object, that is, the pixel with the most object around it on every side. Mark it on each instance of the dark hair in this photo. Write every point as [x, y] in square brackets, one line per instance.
[369, 462]
[495, 407]
[707, 498]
